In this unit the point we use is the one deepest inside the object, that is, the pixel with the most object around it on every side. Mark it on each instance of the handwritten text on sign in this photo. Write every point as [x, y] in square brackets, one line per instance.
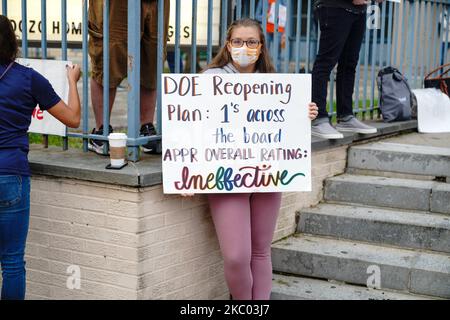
[236, 133]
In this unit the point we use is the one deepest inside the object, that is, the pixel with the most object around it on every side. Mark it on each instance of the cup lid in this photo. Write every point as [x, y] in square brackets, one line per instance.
[119, 136]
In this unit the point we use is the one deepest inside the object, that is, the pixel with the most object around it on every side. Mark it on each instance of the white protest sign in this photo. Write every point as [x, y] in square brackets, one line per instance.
[433, 110]
[55, 71]
[236, 133]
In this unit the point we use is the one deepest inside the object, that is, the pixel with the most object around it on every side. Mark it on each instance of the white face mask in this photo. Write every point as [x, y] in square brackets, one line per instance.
[244, 56]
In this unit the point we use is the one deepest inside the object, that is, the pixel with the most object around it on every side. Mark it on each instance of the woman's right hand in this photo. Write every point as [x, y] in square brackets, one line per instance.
[69, 113]
[73, 73]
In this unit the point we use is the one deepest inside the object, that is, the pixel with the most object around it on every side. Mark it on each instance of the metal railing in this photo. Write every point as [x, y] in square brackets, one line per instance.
[409, 36]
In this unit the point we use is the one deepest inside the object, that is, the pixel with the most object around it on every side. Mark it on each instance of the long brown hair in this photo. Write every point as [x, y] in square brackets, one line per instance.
[264, 63]
[8, 41]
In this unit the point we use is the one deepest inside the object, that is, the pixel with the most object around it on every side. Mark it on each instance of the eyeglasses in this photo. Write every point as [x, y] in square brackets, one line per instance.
[251, 43]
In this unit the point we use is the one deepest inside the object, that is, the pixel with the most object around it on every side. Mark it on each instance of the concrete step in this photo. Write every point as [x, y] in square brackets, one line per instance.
[359, 263]
[401, 158]
[411, 229]
[389, 192]
[299, 288]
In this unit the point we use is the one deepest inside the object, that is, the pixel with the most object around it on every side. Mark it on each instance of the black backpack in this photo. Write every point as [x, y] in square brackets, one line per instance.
[396, 98]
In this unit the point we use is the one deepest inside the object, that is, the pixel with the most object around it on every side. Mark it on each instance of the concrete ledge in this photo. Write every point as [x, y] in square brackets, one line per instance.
[91, 167]
[349, 138]
[75, 164]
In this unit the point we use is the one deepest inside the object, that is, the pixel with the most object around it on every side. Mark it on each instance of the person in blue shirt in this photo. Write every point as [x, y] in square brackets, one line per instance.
[21, 90]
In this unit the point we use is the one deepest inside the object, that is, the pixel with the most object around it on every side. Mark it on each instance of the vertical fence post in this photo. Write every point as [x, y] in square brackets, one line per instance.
[356, 108]
[194, 38]
[436, 43]
[5, 7]
[64, 51]
[298, 35]
[366, 66]
[44, 49]
[287, 50]
[106, 56]
[308, 37]
[382, 40]
[389, 35]
[276, 39]
[372, 70]
[238, 9]
[331, 110]
[44, 28]
[396, 34]
[410, 48]
[417, 46]
[177, 36]
[159, 69]
[210, 30]
[264, 17]
[435, 36]
[85, 76]
[429, 39]
[134, 72]
[425, 40]
[64, 29]
[403, 39]
[252, 9]
[224, 21]
[446, 46]
[410, 41]
[24, 29]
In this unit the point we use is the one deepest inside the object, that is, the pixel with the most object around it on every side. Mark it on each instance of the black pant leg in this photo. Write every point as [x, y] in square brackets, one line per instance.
[335, 27]
[347, 64]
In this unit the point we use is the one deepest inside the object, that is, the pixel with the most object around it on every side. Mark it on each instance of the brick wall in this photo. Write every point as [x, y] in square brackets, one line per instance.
[137, 243]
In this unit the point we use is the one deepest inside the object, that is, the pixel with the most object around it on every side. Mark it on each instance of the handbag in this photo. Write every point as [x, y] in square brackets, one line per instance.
[441, 82]
[395, 95]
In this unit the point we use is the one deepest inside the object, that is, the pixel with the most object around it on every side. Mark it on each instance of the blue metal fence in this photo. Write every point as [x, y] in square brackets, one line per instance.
[409, 36]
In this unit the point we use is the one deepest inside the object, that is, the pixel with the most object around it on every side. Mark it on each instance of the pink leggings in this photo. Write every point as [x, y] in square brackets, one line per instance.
[245, 224]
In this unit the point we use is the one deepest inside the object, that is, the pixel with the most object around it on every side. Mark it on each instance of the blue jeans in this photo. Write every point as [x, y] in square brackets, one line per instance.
[14, 220]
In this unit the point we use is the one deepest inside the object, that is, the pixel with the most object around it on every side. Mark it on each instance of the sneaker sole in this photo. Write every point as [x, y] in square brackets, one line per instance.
[156, 149]
[361, 131]
[328, 136]
[97, 150]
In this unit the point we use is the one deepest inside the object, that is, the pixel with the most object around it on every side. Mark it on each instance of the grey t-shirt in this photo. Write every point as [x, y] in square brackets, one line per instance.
[345, 4]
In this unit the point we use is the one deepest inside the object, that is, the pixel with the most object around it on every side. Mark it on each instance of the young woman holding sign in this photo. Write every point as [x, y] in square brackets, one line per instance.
[245, 223]
[21, 89]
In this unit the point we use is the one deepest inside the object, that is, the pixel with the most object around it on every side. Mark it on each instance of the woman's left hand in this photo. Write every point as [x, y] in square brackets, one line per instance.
[313, 111]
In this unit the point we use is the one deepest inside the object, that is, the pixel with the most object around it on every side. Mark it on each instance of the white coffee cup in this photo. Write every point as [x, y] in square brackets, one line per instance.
[117, 149]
